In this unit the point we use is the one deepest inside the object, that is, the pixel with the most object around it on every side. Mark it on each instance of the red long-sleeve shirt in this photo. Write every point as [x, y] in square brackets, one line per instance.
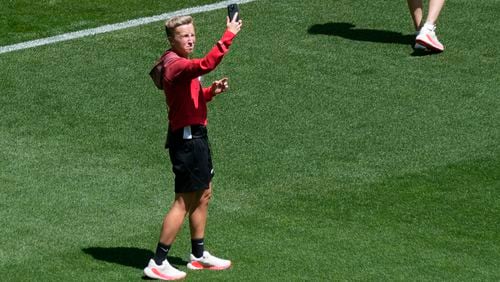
[186, 98]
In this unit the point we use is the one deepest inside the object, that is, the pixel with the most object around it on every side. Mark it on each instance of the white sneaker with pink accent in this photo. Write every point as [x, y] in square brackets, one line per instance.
[208, 261]
[164, 271]
[427, 37]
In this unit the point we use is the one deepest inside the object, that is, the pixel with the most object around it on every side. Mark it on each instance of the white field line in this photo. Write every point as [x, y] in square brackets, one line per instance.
[117, 26]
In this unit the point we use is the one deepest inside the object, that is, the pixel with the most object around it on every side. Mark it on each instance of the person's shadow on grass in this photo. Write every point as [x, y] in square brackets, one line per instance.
[127, 256]
[348, 31]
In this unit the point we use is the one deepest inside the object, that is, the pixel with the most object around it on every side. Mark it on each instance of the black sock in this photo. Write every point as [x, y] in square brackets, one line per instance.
[197, 247]
[161, 253]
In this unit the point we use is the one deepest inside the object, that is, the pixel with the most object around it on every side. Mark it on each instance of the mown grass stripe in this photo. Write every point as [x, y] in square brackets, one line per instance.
[117, 26]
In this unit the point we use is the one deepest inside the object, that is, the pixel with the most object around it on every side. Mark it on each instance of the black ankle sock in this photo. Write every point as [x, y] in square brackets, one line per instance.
[161, 253]
[197, 247]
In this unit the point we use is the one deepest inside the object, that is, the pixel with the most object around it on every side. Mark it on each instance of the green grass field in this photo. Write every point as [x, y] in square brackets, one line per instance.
[339, 154]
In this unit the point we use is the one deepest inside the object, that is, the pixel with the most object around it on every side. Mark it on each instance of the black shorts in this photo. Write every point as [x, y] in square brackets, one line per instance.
[191, 159]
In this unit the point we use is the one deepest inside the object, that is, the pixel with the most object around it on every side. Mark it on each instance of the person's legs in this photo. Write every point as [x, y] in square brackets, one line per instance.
[198, 213]
[427, 35]
[416, 12]
[199, 258]
[198, 220]
[417, 15]
[159, 267]
[426, 38]
[173, 220]
[435, 7]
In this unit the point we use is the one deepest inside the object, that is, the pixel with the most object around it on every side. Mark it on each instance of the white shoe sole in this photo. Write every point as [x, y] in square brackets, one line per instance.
[429, 44]
[151, 273]
[198, 266]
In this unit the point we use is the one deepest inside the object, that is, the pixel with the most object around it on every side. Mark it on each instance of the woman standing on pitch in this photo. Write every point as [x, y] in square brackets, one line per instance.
[187, 143]
[426, 35]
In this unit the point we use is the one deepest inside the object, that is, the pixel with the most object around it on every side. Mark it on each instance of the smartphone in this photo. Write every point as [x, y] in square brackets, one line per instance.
[231, 10]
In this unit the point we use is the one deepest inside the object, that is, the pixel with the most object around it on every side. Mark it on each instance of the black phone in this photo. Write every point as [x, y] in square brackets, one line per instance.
[231, 10]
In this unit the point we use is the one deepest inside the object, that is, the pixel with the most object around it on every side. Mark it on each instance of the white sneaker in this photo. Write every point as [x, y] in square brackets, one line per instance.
[427, 37]
[207, 261]
[164, 271]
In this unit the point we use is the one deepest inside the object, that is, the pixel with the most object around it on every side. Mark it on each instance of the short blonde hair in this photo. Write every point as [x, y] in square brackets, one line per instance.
[176, 21]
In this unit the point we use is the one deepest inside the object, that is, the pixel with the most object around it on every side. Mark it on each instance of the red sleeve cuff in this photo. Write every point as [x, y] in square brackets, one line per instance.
[226, 40]
[207, 92]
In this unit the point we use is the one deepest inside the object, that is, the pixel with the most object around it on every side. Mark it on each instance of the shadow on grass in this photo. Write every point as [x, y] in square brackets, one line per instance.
[127, 256]
[348, 31]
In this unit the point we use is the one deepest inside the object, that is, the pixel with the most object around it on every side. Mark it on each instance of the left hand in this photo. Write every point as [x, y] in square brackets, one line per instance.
[220, 86]
[233, 25]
